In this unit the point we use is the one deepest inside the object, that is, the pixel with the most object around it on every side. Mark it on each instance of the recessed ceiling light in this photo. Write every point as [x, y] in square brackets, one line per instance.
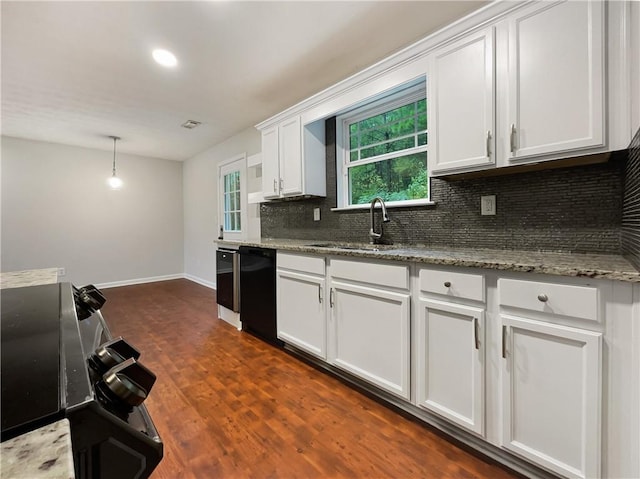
[164, 58]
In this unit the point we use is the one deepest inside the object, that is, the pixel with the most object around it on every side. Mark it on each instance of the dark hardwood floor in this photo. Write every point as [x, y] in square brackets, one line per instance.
[228, 405]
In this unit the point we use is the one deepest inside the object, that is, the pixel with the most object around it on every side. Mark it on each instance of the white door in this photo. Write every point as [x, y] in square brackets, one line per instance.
[301, 312]
[270, 163]
[450, 362]
[551, 395]
[290, 146]
[556, 78]
[370, 334]
[461, 104]
[232, 194]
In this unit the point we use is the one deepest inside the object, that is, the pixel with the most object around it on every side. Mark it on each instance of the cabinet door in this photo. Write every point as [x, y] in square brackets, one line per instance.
[461, 104]
[450, 362]
[301, 312]
[290, 144]
[556, 78]
[551, 392]
[370, 334]
[270, 159]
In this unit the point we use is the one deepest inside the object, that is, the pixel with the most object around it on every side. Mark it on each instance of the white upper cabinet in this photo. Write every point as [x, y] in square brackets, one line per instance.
[461, 93]
[293, 159]
[530, 88]
[556, 78]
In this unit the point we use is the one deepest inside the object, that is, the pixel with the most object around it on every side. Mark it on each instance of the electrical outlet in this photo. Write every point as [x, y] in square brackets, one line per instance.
[62, 271]
[488, 205]
[316, 214]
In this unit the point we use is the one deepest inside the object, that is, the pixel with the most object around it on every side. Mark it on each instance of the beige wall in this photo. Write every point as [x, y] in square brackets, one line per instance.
[57, 211]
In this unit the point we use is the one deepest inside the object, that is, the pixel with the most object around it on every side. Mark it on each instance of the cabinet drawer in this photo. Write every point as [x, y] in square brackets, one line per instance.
[455, 284]
[394, 276]
[301, 262]
[561, 299]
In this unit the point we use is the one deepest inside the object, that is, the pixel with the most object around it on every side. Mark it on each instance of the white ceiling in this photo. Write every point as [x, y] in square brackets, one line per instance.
[75, 72]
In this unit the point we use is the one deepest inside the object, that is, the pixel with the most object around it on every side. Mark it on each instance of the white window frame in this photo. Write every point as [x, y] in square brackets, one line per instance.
[343, 163]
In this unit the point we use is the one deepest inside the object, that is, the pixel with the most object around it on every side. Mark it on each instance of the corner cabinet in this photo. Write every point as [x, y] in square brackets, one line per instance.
[293, 159]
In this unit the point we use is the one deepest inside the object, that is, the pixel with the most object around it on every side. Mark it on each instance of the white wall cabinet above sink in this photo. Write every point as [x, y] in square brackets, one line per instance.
[293, 159]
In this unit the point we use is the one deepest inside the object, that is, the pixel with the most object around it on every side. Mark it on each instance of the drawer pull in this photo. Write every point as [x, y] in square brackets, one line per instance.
[331, 297]
[275, 185]
[447, 284]
[320, 294]
[543, 298]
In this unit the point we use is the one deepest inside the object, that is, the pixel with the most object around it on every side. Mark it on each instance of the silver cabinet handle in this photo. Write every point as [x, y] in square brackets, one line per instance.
[489, 143]
[504, 342]
[331, 297]
[281, 184]
[447, 284]
[320, 293]
[512, 138]
[543, 298]
[475, 333]
[275, 185]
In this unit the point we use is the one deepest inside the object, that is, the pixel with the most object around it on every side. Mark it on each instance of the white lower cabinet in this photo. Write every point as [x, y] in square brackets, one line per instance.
[450, 362]
[301, 312]
[370, 335]
[301, 305]
[543, 367]
[551, 395]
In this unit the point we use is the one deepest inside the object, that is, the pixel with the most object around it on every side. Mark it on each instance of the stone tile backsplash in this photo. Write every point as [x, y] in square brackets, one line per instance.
[576, 209]
[631, 204]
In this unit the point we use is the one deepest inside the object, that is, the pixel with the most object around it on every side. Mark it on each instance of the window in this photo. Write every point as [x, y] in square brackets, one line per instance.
[231, 211]
[384, 151]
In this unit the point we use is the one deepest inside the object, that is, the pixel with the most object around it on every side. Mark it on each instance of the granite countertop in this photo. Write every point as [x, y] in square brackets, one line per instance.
[43, 453]
[32, 277]
[603, 266]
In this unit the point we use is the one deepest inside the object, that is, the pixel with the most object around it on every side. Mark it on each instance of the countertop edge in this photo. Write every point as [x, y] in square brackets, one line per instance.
[595, 266]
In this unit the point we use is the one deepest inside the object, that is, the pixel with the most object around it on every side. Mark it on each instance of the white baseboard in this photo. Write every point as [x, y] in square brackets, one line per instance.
[201, 281]
[129, 282]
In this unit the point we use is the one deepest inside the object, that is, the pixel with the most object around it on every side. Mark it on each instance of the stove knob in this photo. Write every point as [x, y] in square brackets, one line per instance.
[130, 382]
[111, 354]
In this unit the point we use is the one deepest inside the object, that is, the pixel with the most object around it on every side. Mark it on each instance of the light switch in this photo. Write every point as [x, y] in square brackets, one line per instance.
[316, 214]
[488, 205]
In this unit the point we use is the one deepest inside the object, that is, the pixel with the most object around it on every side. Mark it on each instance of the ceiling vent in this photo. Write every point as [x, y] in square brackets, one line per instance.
[191, 124]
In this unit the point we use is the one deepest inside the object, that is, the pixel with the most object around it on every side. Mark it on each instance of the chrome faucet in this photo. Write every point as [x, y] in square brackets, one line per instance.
[374, 237]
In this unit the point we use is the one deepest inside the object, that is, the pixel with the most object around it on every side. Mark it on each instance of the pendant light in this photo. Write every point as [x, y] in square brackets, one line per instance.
[114, 182]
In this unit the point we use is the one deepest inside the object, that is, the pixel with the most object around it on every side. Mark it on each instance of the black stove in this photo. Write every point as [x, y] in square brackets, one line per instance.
[55, 365]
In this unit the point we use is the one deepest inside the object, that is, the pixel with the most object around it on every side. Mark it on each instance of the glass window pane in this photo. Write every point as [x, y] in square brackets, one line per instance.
[373, 122]
[353, 142]
[353, 156]
[403, 178]
[353, 128]
[422, 122]
[237, 194]
[227, 222]
[237, 215]
[422, 105]
[422, 139]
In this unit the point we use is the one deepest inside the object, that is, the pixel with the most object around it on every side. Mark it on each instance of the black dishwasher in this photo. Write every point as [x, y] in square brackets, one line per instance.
[258, 292]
